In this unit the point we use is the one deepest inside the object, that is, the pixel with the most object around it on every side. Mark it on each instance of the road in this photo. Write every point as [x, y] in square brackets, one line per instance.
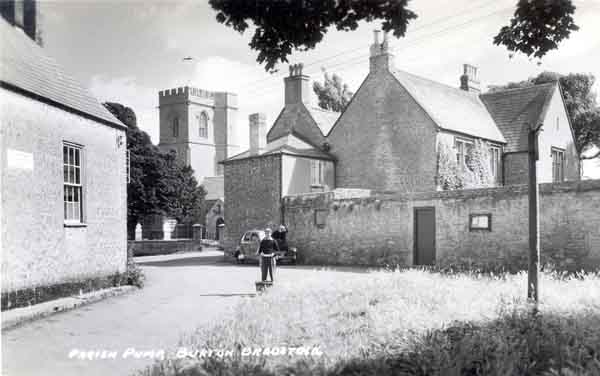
[181, 293]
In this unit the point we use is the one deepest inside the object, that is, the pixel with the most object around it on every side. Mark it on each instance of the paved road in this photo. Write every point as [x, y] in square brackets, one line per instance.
[181, 292]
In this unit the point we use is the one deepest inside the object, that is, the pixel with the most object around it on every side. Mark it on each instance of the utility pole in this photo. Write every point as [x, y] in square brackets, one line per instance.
[534, 221]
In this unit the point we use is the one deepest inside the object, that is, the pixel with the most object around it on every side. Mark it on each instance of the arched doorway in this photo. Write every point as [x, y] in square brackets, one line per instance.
[219, 227]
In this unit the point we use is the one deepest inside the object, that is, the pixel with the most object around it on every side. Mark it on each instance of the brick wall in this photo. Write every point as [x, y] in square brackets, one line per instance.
[37, 249]
[378, 229]
[252, 195]
[374, 139]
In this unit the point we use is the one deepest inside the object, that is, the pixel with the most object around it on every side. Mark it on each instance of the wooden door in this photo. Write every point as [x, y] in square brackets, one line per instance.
[424, 240]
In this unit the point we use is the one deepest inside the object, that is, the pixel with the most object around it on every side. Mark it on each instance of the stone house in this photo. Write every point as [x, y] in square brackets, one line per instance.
[63, 183]
[389, 135]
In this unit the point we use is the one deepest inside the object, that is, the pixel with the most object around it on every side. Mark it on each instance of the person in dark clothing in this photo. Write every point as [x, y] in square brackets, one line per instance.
[280, 235]
[266, 249]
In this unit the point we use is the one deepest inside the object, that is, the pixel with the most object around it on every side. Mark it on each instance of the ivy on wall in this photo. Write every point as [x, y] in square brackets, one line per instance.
[474, 172]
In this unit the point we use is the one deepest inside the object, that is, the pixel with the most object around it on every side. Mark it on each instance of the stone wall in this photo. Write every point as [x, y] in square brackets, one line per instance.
[38, 248]
[252, 194]
[163, 247]
[378, 229]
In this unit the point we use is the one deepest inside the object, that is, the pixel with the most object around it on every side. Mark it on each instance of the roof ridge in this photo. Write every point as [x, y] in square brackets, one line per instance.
[21, 54]
[457, 89]
[534, 86]
[323, 109]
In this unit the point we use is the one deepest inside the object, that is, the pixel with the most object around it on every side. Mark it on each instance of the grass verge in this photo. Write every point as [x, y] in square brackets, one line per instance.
[407, 323]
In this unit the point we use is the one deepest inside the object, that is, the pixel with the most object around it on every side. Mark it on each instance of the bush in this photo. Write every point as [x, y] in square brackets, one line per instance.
[133, 276]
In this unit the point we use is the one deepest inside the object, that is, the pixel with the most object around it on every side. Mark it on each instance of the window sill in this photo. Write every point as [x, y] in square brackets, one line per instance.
[74, 224]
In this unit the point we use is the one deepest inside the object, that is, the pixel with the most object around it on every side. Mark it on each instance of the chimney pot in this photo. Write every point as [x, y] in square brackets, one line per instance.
[297, 88]
[468, 80]
[382, 57]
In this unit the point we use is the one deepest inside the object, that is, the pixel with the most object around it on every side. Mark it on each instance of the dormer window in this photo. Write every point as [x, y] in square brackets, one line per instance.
[203, 125]
[175, 127]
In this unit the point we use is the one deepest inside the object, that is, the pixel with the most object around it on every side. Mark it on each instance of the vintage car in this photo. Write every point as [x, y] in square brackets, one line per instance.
[245, 251]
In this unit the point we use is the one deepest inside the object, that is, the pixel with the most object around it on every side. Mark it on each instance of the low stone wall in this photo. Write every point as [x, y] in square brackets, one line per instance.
[163, 247]
[40, 294]
[379, 229]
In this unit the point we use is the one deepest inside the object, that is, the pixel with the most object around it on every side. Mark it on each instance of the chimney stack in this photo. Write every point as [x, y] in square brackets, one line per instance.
[382, 56]
[468, 80]
[23, 14]
[258, 133]
[297, 86]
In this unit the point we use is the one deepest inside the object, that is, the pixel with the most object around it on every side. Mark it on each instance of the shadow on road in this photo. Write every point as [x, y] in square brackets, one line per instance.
[219, 260]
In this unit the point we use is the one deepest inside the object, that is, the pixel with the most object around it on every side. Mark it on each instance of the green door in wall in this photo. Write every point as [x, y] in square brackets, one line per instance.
[424, 239]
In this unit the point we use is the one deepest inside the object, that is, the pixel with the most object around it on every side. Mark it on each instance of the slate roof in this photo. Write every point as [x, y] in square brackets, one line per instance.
[515, 109]
[311, 122]
[25, 65]
[324, 118]
[290, 145]
[451, 108]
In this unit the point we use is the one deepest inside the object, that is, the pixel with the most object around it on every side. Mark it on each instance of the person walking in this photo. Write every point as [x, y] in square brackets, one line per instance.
[266, 250]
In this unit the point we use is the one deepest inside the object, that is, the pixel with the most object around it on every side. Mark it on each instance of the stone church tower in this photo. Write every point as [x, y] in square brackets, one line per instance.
[199, 126]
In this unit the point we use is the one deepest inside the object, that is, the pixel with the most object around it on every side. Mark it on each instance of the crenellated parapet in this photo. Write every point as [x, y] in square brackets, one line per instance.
[187, 92]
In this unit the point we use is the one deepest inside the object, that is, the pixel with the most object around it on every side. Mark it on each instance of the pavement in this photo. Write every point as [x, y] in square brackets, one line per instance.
[181, 292]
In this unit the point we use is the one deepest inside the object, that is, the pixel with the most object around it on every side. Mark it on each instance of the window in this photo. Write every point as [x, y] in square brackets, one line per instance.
[558, 165]
[463, 147]
[480, 222]
[317, 172]
[73, 202]
[203, 125]
[175, 127]
[495, 166]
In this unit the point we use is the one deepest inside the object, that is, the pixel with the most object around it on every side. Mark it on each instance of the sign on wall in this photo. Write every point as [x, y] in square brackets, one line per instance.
[19, 159]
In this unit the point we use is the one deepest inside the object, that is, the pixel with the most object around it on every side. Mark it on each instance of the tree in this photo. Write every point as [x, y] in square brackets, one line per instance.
[158, 183]
[580, 101]
[538, 26]
[333, 94]
[282, 26]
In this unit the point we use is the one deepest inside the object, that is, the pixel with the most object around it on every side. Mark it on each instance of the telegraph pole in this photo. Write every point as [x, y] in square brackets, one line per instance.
[534, 221]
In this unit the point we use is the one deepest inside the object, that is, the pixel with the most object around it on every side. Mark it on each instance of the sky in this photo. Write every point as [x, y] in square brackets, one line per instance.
[127, 51]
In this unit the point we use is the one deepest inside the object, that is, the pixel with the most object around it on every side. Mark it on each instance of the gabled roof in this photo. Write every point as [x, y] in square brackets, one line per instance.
[290, 145]
[26, 67]
[310, 122]
[451, 108]
[515, 109]
[324, 118]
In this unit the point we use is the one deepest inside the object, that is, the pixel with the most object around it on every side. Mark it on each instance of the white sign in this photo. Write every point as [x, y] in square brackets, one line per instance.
[19, 159]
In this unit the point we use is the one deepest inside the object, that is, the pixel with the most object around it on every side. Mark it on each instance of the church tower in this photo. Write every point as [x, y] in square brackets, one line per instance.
[199, 126]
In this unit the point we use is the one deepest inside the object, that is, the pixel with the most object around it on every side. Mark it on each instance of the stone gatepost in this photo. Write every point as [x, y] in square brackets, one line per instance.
[138, 232]
[168, 226]
[197, 231]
